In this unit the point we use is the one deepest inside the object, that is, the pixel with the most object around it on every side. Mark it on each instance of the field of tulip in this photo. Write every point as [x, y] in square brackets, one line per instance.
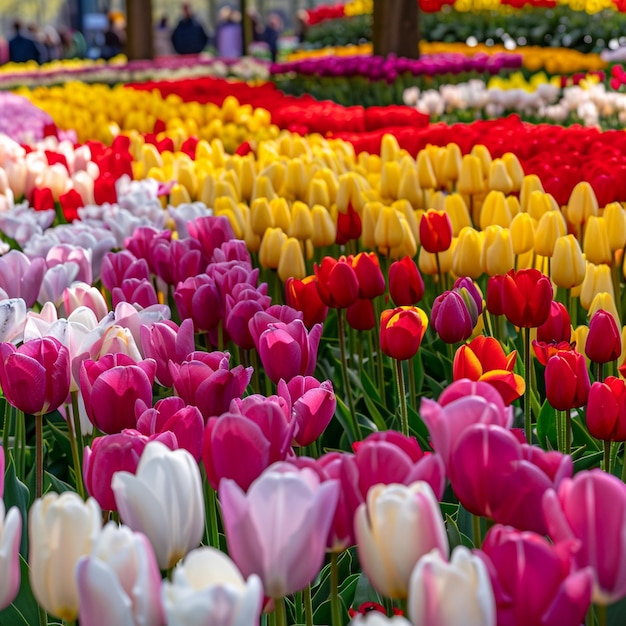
[266, 359]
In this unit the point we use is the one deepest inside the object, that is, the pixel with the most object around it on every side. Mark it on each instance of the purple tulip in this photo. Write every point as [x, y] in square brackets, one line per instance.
[66, 253]
[198, 298]
[135, 291]
[241, 305]
[211, 231]
[176, 260]
[21, 277]
[451, 317]
[117, 266]
[143, 240]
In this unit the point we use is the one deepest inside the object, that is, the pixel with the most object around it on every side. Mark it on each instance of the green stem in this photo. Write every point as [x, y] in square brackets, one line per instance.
[38, 456]
[254, 362]
[43, 616]
[476, 531]
[280, 611]
[600, 614]
[18, 444]
[402, 605]
[404, 414]
[211, 513]
[78, 432]
[560, 431]
[599, 372]
[334, 590]
[6, 428]
[568, 432]
[606, 461]
[308, 606]
[344, 369]
[528, 429]
[78, 473]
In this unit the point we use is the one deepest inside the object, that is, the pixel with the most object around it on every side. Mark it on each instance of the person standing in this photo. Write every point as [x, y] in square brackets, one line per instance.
[23, 48]
[162, 39]
[189, 36]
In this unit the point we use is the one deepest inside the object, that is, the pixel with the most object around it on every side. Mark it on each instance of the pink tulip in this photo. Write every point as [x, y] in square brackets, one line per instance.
[65, 253]
[204, 380]
[240, 307]
[462, 404]
[143, 240]
[110, 388]
[117, 266]
[21, 277]
[170, 415]
[165, 341]
[232, 250]
[119, 581]
[494, 475]
[211, 231]
[135, 291]
[198, 298]
[114, 453]
[82, 294]
[174, 261]
[242, 443]
[533, 580]
[278, 529]
[343, 468]
[311, 404]
[289, 350]
[229, 274]
[388, 457]
[591, 509]
[35, 377]
[55, 281]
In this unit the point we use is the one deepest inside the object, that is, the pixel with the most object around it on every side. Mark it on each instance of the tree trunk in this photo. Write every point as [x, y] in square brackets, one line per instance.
[396, 28]
[139, 29]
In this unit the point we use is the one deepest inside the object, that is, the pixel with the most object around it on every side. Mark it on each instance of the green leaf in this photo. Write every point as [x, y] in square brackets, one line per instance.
[616, 613]
[364, 592]
[594, 459]
[454, 535]
[16, 494]
[546, 427]
[343, 416]
[24, 610]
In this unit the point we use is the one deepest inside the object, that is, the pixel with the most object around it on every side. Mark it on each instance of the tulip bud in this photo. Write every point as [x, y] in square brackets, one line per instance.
[568, 265]
[551, 226]
[582, 204]
[596, 241]
[522, 233]
[406, 285]
[425, 173]
[435, 231]
[526, 297]
[456, 209]
[497, 252]
[467, 254]
[604, 342]
[499, 179]
[324, 229]
[615, 219]
[401, 331]
[597, 280]
[531, 183]
[567, 380]
[514, 169]
[471, 181]
[291, 263]
[451, 317]
[557, 327]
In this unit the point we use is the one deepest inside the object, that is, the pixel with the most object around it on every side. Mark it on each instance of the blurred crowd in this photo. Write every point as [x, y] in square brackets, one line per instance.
[28, 42]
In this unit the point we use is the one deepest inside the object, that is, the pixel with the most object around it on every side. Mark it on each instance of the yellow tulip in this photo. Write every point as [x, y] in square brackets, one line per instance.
[522, 233]
[497, 253]
[514, 168]
[550, 227]
[495, 210]
[568, 267]
[281, 213]
[605, 301]
[271, 247]
[582, 204]
[369, 221]
[318, 192]
[408, 245]
[484, 156]
[615, 218]
[531, 183]
[324, 229]
[455, 207]
[452, 163]
[471, 180]
[425, 174]
[597, 279]
[390, 180]
[499, 179]
[466, 257]
[409, 188]
[388, 232]
[261, 216]
[596, 241]
[291, 263]
[179, 195]
[301, 226]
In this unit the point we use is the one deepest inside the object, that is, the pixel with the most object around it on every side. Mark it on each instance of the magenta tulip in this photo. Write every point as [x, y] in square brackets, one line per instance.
[311, 404]
[451, 317]
[462, 404]
[143, 240]
[240, 307]
[170, 415]
[198, 298]
[174, 261]
[232, 250]
[533, 580]
[278, 529]
[211, 231]
[35, 377]
[135, 291]
[118, 266]
[388, 457]
[204, 380]
[591, 509]
[110, 388]
[165, 342]
[494, 475]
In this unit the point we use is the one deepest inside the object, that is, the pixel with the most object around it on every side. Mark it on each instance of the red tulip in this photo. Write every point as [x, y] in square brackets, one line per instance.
[367, 270]
[406, 285]
[435, 231]
[43, 200]
[348, 226]
[304, 296]
[360, 315]
[526, 297]
[544, 351]
[494, 303]
[558, 326]
[337, 283]
[567, 380]
[606, 409]
[401, 331]
[604, 342]
[483, 359]
[70, 202]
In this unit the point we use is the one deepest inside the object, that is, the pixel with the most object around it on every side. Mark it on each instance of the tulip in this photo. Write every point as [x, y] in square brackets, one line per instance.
[211, 231]
[522, 233]
[615, 219]
[119, 581]
[370, 278]
[262, 427]
[199, 298]
[205, 380]
[21, 277]
[387, 562]
[447, 594]
[435, 231]
[495, 210]
[567, 380]
[135, 291]
[288, 350]
[568, 263]
[388, 457]
[597, 280]
[557, 327]
[111, 386]
[241, 305]
[494, 475]
[471, 181]
[311, 404]
[348, 225]
[604, 341]
[118, 266]
[551, 226]
[577, 511]
[532, 579]
[497, 251]
[303, 296]
[606, 409]
[82, 294]
[35, 377]
[207, 586]
[582, 204]
[164, 501]
[463, 403]
[483, 359]
[467, 254]
[406, 286]
[271, 246]
[324, 228]
[12, 320]
[337, 282]
[374, 618]
[526, 297]
[61, 529]
[401, 331]
[388, 233]
[278, 529]
[451, 317]
[10, 538]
